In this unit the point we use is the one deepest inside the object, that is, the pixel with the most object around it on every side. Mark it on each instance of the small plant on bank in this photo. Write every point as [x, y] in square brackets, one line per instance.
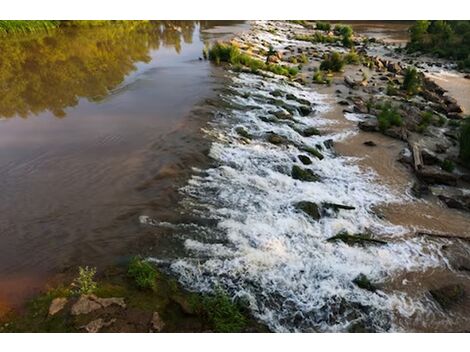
[323, 26]
[333, 62]
[388, 117]
[447, 165]
[143, 273]
[411, 81]
[320, 77]
[84, 283]
[352, 57]
[392, 89]
[224, 315]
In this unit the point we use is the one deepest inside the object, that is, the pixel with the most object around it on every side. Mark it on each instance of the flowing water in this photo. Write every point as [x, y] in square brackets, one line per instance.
[96, 126]
[252, 242]
[93, 176]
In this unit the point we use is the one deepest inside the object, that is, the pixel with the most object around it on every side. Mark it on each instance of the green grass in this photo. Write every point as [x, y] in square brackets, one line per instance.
[143, 273]
[412, 81]
[388, 117]
[465, 141]
[352, 58]
[225, 315]
[226, 52]
[323, 26]
[317, 38]
[447, 165]
[23, 26]
[320, 77]
[333, 62]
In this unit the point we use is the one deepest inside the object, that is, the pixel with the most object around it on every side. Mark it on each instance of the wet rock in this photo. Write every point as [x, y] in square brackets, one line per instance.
[449, 295]
[370, 143]
[343, 102]
[310, 131]
[357, 239]
[419, 189]
[405, 156]
[301, 174]
[337, 207]
[304, 110]
[276, 139]
[328, 143]
[363, 282]
[313, 151]
[243, 132]
[435, 175]
[369, 125]
[276, 93]
[156, 324]
[85, 304]
[57, 305]
[397, 132]
[467, 76]
[304, 159]
[350, 82]
[95, 326]
[282, 115]
[453, 197]
[309, 208]
[106, 302]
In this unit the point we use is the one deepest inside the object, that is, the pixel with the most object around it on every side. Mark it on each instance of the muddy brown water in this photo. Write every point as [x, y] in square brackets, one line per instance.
[97, 127]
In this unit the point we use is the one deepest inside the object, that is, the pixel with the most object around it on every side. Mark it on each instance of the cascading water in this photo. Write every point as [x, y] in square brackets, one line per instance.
[277, 258]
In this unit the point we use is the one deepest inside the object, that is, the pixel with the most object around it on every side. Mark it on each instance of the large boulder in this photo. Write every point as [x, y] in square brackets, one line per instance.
[449, 295]
[435, 175]
[309, 208]
[301, 174]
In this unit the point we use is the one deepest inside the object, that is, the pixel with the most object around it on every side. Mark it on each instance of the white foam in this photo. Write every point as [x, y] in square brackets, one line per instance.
[277, 257]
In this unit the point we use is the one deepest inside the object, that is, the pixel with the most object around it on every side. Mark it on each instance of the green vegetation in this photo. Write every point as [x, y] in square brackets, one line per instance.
[323, 26]
[428, 118]
[23, 26]
[352, 58]
[321, 77]
[447, 165]
[51, 71]
[465, 141]
[412, 81]
[446, 39]
[388, 117]
[333, 62]
[317, 38]
[224, 315]
[346, 33]
[392, 89]
[143, 273]
[84, 284]
[230, 53]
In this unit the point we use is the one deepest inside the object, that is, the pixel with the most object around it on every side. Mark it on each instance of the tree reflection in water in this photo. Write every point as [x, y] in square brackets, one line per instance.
[53, 71]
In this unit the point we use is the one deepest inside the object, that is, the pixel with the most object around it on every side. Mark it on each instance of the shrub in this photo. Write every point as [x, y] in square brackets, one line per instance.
[352, 57]
[465, 141]
[84, 283]
[323, 26]
[412, 81]
[224, 315]
[391, 89]
[343, 30]
[143, 273]
[332, 62]
[447, 165]
[320, 77]
[388, 117]
[227, 52]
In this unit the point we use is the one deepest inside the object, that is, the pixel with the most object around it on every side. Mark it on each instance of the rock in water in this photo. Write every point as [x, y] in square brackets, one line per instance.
[303, 174]
[157, 323]
[363, 282]
[304, 159]
[309, 208]
[57, 305]
[448, 295]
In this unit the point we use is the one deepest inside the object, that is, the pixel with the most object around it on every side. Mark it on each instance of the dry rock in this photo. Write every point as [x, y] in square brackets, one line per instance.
[157, 323]
[57, 305]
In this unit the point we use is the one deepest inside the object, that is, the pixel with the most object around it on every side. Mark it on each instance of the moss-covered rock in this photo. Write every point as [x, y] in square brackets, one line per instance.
[313, 151]
[336, 207]
[357, 239]
[309, 208]
[363, 282]
[243, 132]
[301, 174]
[304, 159]
[275, 139]
[310, 131]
